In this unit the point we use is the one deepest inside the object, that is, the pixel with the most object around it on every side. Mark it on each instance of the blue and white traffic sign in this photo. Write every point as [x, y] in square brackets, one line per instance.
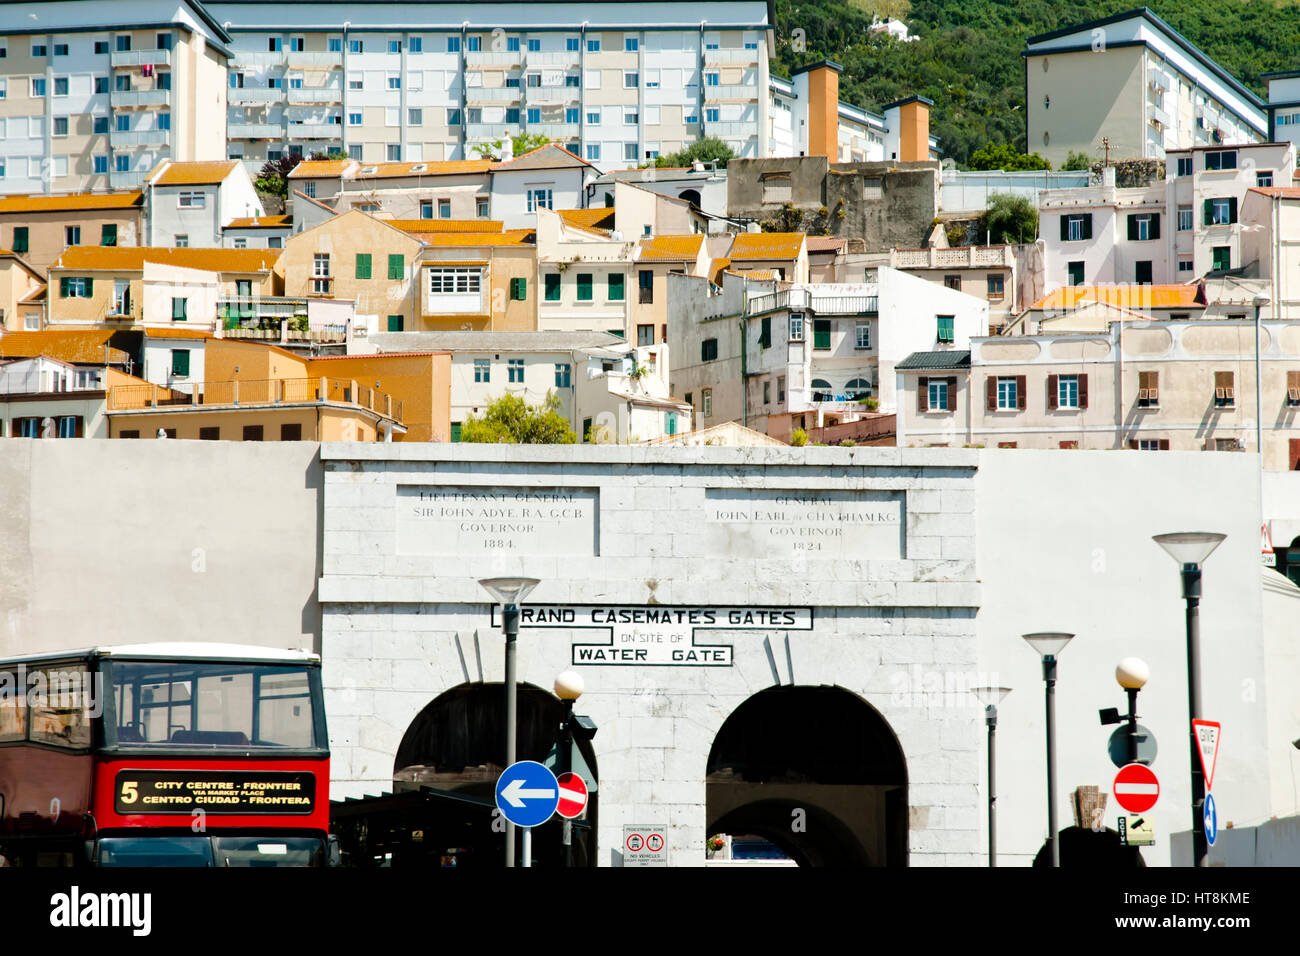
[527, 793]
[1211, 820]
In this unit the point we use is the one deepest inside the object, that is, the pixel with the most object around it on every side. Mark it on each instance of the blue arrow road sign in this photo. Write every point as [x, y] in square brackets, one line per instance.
[1211, 820]
[527, 793]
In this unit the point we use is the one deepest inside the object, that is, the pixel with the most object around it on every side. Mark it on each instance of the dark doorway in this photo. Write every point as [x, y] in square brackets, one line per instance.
[815, 771]
[692, 196]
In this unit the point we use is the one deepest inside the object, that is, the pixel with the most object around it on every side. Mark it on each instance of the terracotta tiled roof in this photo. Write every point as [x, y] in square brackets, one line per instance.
[165, 333]
[510, 237]
[766, 245]
[450, 167]
[672, 248]
[716, 268]
[321, 168]
[260, 222]
[196, 173]
[825, 244]
[1286, 192]
[72, 201]
[506, 163]
[81, 345]
[132, 258]
[446, 225]
[765, 275]
[599, 218]
[1126, 296]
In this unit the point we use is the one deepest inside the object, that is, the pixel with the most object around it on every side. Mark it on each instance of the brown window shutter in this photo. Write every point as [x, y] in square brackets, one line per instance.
[1133, 443]
[922, 394]
[1164, 444]
[1295, 454]
[952, 395]
[1053, 391]
[991, 393]
[1020, 392]
[1083, 391]
[81, 427]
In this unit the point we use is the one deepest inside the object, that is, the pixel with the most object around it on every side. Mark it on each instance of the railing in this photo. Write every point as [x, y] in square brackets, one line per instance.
[731, 130]
[256, 308]
[255, 131]
[552, 95]
[261, 57]
[254, 95]
[313, 58]
[731, 56]
[139, 137]
[493, 94]
[822, 304]
[123, 98]
[141, 58]
[315, 94]
[552, 58]
[958, 257]
[257, 392]
[564, 131]
[126, 179]
[478, 58]
[488, 130]
[730, 92]
[315, 130]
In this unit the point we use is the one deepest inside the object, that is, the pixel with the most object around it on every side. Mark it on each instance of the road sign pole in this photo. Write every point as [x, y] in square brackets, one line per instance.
[1132, 723]
[528, 846]
[564, 764]
[1192, 594]
[510, 624]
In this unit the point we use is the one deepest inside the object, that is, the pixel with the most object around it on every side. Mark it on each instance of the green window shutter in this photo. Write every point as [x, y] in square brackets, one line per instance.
[552, 287]
[90, 291]
[1065, 228]
[821, 333]
[1209, 212]
[363, 265]
[615, 287]
[180, 309]
[1155, 225]
[1232, 209]
[395, 323]
[396, 267]
[63, 286]
[518, 290]
[945, 328]
[765, 336]
[108, 236]
[180, 361]
[584, 287]
[20, 238]
[1132, 228]
[1087, 226]
[455, 431]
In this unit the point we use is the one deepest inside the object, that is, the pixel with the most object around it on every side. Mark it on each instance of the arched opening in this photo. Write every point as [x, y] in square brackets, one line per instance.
[815, 771]
[1288, 561]
[692, 196]
[822, 390]
[857, 388]
[456, 746]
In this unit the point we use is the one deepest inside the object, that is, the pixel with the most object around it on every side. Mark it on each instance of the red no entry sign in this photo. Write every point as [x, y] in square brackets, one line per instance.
[573, 795]
[1136, 788]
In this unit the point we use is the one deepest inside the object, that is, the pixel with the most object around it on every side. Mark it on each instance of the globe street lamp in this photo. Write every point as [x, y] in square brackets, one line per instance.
[1132, 674]
[1190, 549]
[990, 697]
[508, 593]
[1049, 645]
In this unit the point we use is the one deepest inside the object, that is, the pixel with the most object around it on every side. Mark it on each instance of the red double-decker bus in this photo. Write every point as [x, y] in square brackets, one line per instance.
[163, 755]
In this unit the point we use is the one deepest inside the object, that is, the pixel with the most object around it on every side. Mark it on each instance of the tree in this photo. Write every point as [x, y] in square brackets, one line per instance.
[707, 150]
[273, 177]
[512, 421]
[1077, 161]
[1004, 156]
[520, 143]
[1009, 219]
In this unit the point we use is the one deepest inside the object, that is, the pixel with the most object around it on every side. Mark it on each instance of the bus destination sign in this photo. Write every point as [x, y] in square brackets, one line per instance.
[214, 791]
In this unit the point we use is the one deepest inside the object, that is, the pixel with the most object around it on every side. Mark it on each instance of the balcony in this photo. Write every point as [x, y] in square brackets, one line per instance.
[129, 179]
[821, 304]
[553, 59]
[255, 131]
[257, 392]
[248, 312]
[552, 95]
[319, 94]
[493, 94]
[141, 58]
[731, 130]
[731, 56]
[242, 94]
[315, 131]
[122, 98]
[717, 94]
[560, 131]
[139, 137]
[959, 257]
[477, 131]
[315, 59]
[481, 58]
[259, 58]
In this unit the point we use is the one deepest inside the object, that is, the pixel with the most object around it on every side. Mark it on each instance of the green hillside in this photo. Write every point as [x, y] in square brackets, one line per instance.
[968, 56]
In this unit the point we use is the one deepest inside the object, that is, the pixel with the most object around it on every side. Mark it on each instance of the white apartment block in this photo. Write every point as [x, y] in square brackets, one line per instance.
[1173, 230]
[1134, 80]
[1283, 106]
[94, 94]
[617, 83]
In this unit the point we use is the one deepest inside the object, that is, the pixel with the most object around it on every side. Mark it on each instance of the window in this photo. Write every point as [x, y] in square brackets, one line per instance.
[552, 281]
[453, 44]
[518, 290]
[512, 44]
[1221, 258]
[309, 190]
[515, 371]
[534, 80]
[76, 287]
[1292, 389]
[394, 46]
[706, 402]
[100, 163]
[473, 44]
[356, 46]
[481, 208]
[274, 44]
[72, 235]
[1184, 218]
[180, 309]
[122, 163]
[1148, 389]
[4, 87]
[1067, 391]
[593, 45]
[454, 281]
[1144, 226]
[1142, 272]
[1264, 179]
[394, 81]
[100, 124]
[765, 333]
[363, 265]
[415, 117]
[534, 114]
[584, 286]
[1226, 159]
[396, 266]
[101, 84]
[571, 44]
[862, 335]
[444, 208]
[936, 394]
[571, 114]
[708, 350]
[593, 117]
[123, 43]
[354, 119]
[38, 86]
[482, 370]
[563, 375]
[1224, 393]
[1008, 393]
[1077, 228]
[60, 86]
[191, 200]
[164, 120]
[39, 50]
[320, 270]
[1185, 265]
[60, 126]
[593, 152]
[415, 45]
[394, 152]
[572, 81]
[396, 323]
[821, 333]
[1221, 212]
[645, 335]
[796, 327]
[252, 433]
[780, 389]
[631, 81]
[1184, 165]
[995, 289]
[101, 47]
[512, 114]
[945, 330]
[712, 115]
[356, 81]
[767, 393]
[1074, 271]
[712, 79]
[534, 45]
[453, 117]
[121, 297]
[61, 49]
[181, 363]
[630, 45]
[123, 122]
[354, 151]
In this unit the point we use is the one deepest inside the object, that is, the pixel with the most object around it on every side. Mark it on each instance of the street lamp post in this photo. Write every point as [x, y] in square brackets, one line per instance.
[509, 592]
[1190, 549]
[1049, 645]
[569, 686]
[1260, 301]
[1132, 674]
[990, 697]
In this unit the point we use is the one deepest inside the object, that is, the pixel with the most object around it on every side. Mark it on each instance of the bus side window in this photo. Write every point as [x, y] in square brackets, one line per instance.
[13, 713]
[60, 699]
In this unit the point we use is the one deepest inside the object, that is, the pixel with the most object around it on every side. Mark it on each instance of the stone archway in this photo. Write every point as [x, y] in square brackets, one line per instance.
[814, 770]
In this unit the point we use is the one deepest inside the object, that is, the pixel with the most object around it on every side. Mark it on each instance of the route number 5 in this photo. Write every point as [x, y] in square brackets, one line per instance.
[128, 791]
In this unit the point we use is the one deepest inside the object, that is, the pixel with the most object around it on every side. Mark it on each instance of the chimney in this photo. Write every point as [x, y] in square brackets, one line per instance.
[908, 124]
[822, 82]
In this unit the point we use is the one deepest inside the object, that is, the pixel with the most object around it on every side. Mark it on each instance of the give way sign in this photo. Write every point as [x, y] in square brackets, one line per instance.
[1207, 745]
[1136, 788]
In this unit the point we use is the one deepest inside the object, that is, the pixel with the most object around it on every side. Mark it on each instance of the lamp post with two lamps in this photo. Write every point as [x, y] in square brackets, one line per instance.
[1049, 645]
[990, 697]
